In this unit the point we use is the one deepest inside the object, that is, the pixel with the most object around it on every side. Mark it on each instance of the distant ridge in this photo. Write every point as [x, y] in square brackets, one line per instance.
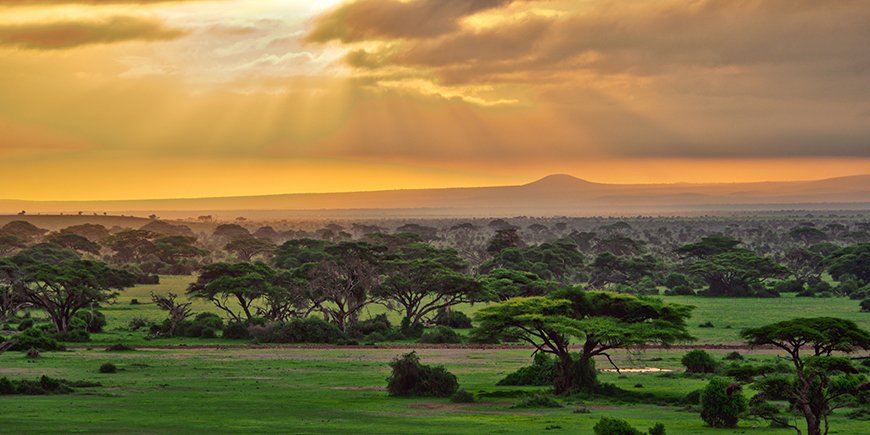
[558, 194]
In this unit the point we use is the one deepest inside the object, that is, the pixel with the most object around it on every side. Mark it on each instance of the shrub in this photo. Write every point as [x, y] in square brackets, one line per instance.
[204, 325]
[452, 319]
[138, 323]
[789, 286]
[134, 301]
[25, 324]
[734, 356]
[34, 338]
[44, 385]
[94, 320]
[722, 403]
[658, 429]
[542, 372]
[410, 378]
[865, 306]
[699, 361]
[462, 396]
[614, 426]
[410, 330]
[33, 354]
[441, 335]
[692, 398]
[375, 329]
[120, 348]
[77, 333]
[108, 368]
[707, 324]
[538, 400]
[307, 330]
[236, 330]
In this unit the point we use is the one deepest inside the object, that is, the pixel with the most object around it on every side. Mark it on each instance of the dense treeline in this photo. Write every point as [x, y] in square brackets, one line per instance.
[422, 271]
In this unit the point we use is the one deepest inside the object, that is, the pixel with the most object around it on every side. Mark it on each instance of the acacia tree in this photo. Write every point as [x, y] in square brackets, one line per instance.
[341, 282]
[423, 279]
[64, 288]
[10, 301]
[9, 243]
[131, 246]
[601, 321]
[247, 247]
[736, 273]
[178, 311]
[822, 381]
[241, 283]
[74, 242]
[503, 284]
[851, 260]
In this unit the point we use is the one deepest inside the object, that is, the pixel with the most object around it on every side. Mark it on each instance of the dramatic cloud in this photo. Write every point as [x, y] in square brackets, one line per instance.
[474, 90]
[69, 34]
[383, 19]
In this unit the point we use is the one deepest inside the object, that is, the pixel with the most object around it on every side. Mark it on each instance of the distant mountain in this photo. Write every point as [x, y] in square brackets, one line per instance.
[552, 195]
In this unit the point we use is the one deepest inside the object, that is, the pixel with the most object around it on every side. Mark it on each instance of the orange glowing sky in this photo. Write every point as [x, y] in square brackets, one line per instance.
[126, 99]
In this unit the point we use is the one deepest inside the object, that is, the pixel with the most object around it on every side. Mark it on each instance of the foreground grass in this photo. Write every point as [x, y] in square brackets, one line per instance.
[323, 391]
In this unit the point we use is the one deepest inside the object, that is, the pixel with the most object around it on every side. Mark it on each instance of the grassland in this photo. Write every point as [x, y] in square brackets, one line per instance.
[299, 390]
[322, 391]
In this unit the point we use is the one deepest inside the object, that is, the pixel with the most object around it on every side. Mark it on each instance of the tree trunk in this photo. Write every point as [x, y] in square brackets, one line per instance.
[564, 382]
[813, 422]
[573, 376]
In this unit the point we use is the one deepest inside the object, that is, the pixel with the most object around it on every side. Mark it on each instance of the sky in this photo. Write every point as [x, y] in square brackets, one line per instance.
[126, 99]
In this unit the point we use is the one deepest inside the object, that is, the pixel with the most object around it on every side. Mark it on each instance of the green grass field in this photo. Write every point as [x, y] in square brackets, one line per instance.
[297, 390]
[321, 391]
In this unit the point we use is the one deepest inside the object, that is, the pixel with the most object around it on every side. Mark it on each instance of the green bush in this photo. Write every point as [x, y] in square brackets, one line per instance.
[77, 333]
[538, 400]
[375, 329]
[138, 323]
[734, 356]
[94, 320]
[43, 386]
[410, 330]
[410, 378]
[108, 368]
[237, 330]
[441, 335]
[542, 372]
[34, 338]
[699, 361]
[120, 348]
[25, 324]
[865, 306]
[307, 330]
[722, 403]
[462, 396]
[614, 426]
[452, 319]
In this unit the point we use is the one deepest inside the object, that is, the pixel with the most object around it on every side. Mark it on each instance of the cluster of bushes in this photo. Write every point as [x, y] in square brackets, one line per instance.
[615, 426]
[307, 330]
[452, 319]
[42, 386]
[375, 329]
[410, 378]
[542, 372]
[440, 335]
[35, 338]
[204, 325]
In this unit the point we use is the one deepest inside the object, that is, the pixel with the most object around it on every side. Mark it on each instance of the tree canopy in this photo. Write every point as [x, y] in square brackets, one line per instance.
[600, 321]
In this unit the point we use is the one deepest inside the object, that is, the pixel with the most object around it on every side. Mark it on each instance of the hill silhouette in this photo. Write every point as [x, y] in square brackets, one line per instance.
[558, 194]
